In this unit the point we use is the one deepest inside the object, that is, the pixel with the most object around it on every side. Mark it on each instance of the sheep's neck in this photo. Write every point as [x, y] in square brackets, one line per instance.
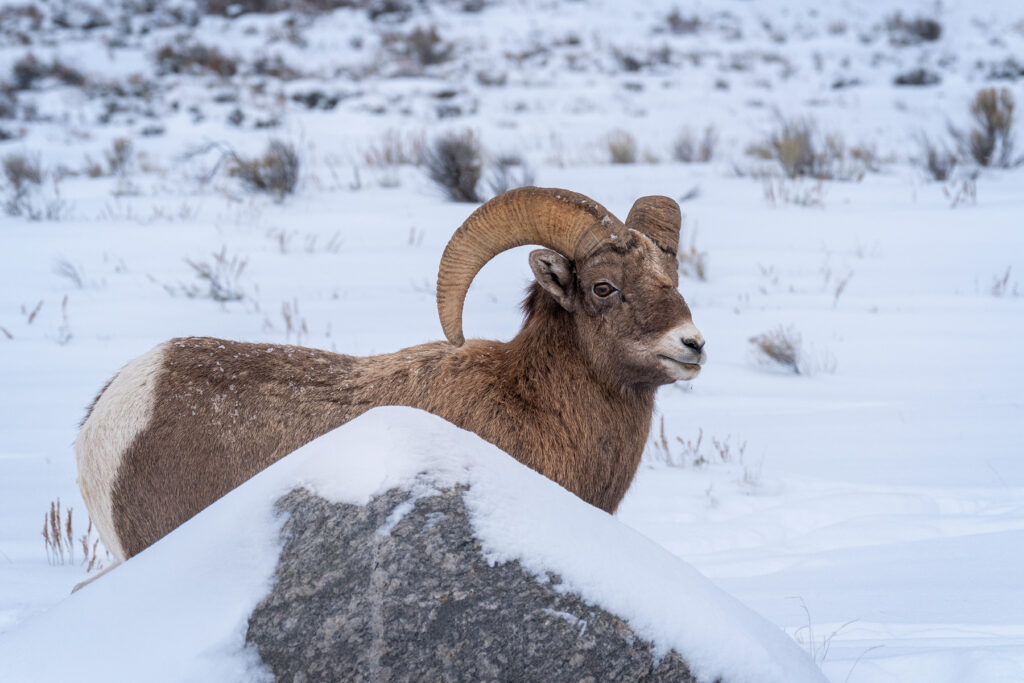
[535, 397]
[606, 423]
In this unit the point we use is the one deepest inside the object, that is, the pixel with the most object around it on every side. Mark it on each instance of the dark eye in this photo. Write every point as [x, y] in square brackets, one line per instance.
[603, 289]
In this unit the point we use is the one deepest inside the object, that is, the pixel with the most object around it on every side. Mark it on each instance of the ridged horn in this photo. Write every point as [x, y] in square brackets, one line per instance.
[659, 218]
[568, 222]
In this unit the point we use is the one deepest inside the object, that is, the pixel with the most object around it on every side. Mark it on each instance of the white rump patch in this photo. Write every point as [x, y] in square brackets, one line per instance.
[121, 412]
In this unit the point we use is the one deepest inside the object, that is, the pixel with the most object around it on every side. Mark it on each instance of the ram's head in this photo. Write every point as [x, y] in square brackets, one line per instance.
[617, 280]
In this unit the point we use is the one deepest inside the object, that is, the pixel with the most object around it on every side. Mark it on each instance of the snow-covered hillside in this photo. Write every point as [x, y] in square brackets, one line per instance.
[870, 504]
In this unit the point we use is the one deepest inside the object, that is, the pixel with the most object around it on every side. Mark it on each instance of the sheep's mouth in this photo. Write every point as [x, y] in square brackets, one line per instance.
[690, 368]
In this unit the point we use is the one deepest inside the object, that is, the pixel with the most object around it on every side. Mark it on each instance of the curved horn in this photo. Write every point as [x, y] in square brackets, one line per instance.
[659, 218]
[565, 221]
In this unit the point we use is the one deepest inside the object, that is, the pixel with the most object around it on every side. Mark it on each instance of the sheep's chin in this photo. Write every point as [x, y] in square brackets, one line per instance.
[678, 369]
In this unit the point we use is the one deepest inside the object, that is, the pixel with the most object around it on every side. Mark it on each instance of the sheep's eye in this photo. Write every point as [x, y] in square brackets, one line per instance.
[603, 289]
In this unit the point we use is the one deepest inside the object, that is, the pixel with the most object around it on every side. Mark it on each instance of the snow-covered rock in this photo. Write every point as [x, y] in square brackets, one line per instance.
[397, 590]
[180, 611]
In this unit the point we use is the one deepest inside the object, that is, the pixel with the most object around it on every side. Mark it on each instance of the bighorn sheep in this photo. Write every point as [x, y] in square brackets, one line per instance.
[570, 396]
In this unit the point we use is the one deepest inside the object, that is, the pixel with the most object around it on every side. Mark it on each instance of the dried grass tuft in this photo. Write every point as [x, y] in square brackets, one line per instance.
[782, 346]
[693, 262]
[937, 159]
[219, 277]
[57, 534]
[120, 156]
[509, 171]
[688, 148]
[695, 453]
[622, 147]
[394, 148]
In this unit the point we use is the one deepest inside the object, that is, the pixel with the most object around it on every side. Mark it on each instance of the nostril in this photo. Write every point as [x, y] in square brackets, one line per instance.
[694, 343]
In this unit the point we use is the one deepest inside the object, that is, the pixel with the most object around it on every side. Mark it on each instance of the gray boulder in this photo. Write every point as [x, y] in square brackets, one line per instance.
[399, 590]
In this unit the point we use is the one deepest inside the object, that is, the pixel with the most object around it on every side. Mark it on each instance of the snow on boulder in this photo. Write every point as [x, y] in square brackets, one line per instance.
[397, 590]
[399, 546]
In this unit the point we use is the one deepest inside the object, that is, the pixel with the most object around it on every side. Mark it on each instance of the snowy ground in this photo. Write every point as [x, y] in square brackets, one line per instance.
[876, 509]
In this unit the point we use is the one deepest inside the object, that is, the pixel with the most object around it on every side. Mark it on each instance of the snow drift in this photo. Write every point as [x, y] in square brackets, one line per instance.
[178, 611]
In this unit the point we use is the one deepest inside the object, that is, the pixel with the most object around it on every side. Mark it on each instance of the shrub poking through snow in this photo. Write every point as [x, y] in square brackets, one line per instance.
[391, 10]
[95, 555]
[394, 148]
[1001, 285]
[688, 148]
[682, 25]
[276, 67]
[220, 277]
[427, 46]
[22, 174]
[194, 58]
[454, 162]
[275, 172]
[695, 453]
[917, 77]
[68, 75]
[795, 146]
[991, 141]
[8, 102]
[508, 172]
[23, 178]
[21, 171]
[692, 261]
[119, 156]
[963, 191]
[422, 47]
[1007, 70]
[794, 191]
[801, 150]
[903, 31]
[621, 147]
[782, 347]
[234, 8]
[26, 71]
[20, 19]
[938, 161]
[68, 270]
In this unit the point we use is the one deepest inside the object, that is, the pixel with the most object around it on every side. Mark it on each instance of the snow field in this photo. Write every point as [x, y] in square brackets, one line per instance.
[875, 510]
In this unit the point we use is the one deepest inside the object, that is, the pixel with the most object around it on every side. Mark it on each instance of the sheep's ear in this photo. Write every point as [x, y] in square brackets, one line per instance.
[554, 274]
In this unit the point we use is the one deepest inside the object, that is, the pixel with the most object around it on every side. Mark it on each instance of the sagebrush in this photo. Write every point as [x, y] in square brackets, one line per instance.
[275, 172]
[990, 142]
[454, 162]
[622, 147]
[689, 148]
[802, 150]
